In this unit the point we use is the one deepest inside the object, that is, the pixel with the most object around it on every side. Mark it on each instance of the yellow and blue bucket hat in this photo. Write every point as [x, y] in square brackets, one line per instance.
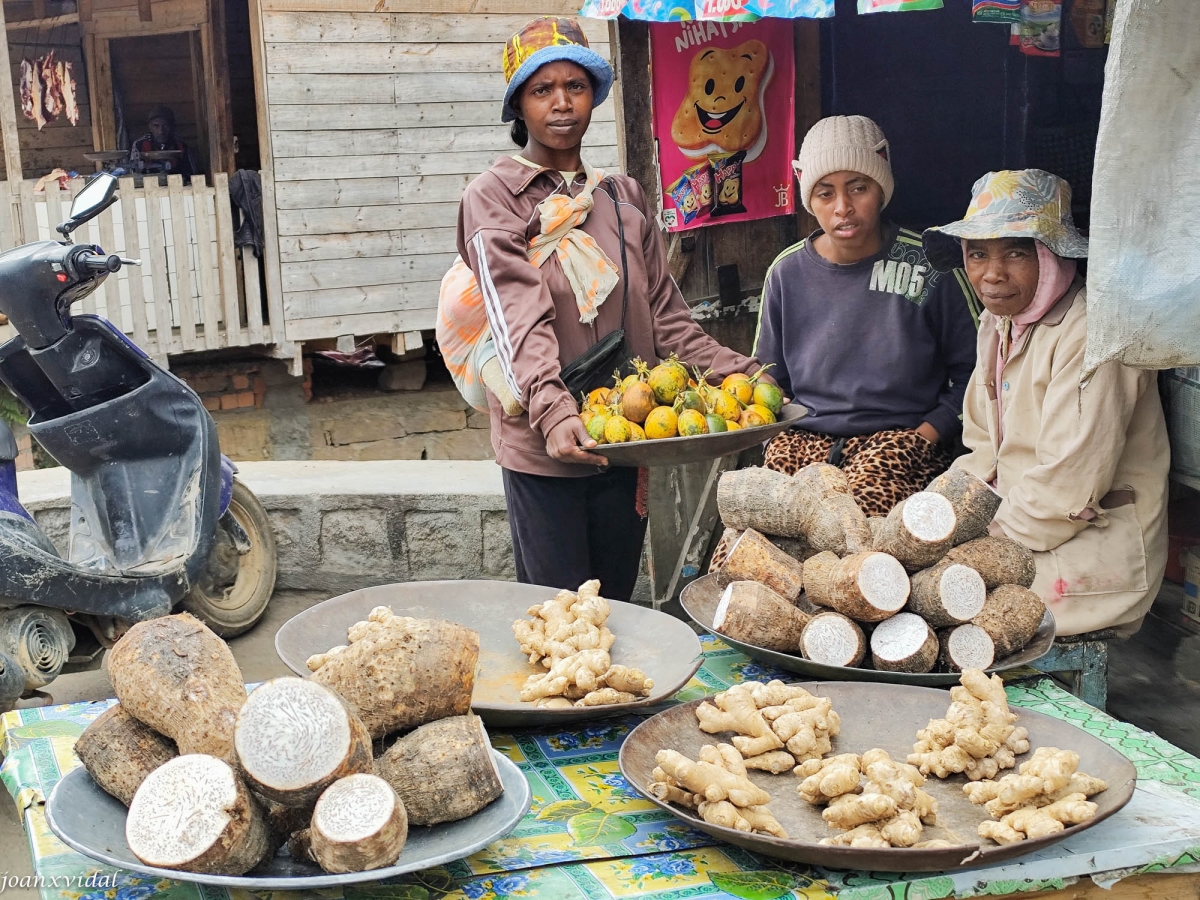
[1026, 203]
[545, 40]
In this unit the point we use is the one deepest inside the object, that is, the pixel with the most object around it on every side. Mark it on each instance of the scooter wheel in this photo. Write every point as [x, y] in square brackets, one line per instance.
[232, 593]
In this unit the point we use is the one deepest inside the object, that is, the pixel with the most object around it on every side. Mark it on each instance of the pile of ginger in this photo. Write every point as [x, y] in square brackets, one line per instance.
[568, 636]
[717, 786]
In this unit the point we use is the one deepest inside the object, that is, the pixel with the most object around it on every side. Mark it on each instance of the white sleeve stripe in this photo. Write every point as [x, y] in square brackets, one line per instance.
[495, 315]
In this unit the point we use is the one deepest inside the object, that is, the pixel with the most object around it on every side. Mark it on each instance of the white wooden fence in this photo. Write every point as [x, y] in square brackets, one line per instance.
[194, 290]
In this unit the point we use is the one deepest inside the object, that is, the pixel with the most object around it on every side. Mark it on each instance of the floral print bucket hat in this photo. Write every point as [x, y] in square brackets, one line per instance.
[1028, 203]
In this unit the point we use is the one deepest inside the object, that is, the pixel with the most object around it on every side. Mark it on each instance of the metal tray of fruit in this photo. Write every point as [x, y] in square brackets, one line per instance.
[885, 716]
[700, 598]
[699, 447]
[87, 819]
[663, 647]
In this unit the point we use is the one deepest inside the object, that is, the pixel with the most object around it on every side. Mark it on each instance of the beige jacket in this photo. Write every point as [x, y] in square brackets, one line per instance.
[1065, 450]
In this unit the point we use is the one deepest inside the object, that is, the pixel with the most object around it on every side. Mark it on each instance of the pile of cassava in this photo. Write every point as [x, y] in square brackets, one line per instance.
[569, 635]
[218, 782]
[806, 572]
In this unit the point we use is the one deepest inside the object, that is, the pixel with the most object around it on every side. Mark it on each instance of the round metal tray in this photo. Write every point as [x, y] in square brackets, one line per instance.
[87, 819]
[698, 448]
[699, 600]
[886, 716]
[663, 647]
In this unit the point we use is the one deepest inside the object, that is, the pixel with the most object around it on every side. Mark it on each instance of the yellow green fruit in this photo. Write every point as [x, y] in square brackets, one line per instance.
[637, 402]
[724, 404]
[689, 399]
[635, 432]
[770, 396]
[595, 426]
[691, 423]
[715, 423]
[667, 381]
[617, 430]
[740, 386]
[586, 416]
[661, 423]
[733, 426]
[598, 397]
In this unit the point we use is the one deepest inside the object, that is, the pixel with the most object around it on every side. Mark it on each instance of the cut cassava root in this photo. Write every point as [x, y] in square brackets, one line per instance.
[442, 771]
[178, 677]
[975, 503]
[358, 824]
[400, 672]
[754, 614]
[1011, 617]
[833, 639]
[966, 646]
[295, 737]
[193, 813]
[867, 587]
[904, 643]
[918, 531]
[998, 560]
[119, 752]
[947, 594]
[754, 558]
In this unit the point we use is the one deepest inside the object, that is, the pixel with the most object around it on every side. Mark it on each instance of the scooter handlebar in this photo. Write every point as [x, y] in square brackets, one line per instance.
[97, 262]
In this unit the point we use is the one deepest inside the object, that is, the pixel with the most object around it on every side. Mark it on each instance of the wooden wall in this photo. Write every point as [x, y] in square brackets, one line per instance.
[380, 113]
[59, 143]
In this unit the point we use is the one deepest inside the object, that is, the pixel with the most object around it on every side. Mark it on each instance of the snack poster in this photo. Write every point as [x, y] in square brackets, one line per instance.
[723, 102]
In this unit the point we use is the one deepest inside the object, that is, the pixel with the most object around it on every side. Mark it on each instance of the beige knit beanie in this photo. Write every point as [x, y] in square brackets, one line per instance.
[844, 144]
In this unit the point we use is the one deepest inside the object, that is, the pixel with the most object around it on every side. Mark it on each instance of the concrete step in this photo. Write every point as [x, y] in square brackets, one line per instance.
[340, 526]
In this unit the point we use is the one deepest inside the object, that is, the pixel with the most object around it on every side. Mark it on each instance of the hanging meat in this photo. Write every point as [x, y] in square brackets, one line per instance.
[66, 83]
[38, 89]
[52, 95]
[28, 76]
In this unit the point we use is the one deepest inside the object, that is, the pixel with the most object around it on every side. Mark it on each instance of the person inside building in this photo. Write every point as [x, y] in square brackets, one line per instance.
[1079, 458]
[161, 136]
[571, 519]
[861, 330]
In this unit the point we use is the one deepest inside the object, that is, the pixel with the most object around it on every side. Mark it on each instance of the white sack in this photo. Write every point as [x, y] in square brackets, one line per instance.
[1144, 267]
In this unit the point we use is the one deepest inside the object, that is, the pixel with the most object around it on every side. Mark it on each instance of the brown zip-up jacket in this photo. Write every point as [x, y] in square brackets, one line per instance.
[532, 311]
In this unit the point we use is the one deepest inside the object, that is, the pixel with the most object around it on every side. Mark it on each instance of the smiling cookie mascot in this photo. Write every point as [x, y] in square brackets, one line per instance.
[723, 109]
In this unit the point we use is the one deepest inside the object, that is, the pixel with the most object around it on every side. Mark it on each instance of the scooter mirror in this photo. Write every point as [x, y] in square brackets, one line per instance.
[95, 197]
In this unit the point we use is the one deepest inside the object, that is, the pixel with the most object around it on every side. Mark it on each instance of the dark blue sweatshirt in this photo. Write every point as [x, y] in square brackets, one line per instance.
[885, 343]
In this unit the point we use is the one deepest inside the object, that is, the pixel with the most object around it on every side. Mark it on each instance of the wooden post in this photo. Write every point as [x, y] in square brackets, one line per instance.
[220, 104]
[632, 58]
[8, 116]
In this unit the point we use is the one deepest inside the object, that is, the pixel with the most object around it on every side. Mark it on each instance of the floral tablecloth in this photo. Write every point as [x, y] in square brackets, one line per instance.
[589, 836]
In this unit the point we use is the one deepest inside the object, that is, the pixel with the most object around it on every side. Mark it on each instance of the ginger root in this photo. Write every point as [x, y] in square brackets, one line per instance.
[768, 719]
[976, 738]
[717, 787]
[568, 636]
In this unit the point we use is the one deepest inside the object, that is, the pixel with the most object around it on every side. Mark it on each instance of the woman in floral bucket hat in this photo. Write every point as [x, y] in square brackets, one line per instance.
[565, 254]
[1082, 468]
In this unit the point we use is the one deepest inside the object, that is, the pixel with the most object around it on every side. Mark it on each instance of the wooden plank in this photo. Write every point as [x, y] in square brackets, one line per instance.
[185, 299]
[250, 273]
[8, 118]
[29, 222]
[54, 204]
[227, 262]
[157, 258]
[220, 103]
[373, 323]
[360, 90]
[359, 300]
[133, 250]
[367, 218]
[110, 291]
[8, 217]
[335, 143]
[372, 27]
[100, 82]
[206, 264]
[145, 12]
[351, 58]
[494, 139]
[270, 260]
[807, 42]
[497, 7]
[303, 248]
[409, 164]
[340, 192]
[342, 273]
[46, 23]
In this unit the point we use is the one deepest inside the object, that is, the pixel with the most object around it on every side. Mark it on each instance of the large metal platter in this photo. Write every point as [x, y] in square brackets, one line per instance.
[700, 598]
[663, 647]
[698, 448]
[87, 819]
[886, 716]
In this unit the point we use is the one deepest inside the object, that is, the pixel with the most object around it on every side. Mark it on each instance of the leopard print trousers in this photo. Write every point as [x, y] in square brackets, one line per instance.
[882, 468]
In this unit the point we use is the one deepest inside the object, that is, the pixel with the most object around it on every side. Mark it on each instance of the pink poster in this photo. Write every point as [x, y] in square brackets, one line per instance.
[723, 99]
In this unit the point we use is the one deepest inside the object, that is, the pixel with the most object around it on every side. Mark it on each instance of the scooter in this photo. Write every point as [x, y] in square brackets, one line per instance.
[157, 518]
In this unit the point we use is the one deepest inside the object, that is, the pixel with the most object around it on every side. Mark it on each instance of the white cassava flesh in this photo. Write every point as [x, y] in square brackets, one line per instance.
[754, 614]
[918, 531]
[295, 737]
[358, 824]
[754, 558]
[443, 771]
[194, 814]
[999, 560]
[867, 587]
[904, 643]
[834, 640]
[974, 502]
[966, 646]
[947, 594]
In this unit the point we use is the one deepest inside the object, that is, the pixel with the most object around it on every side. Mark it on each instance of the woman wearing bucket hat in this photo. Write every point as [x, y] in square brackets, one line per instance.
[862, 331]
[1082, 466]
[598, 266]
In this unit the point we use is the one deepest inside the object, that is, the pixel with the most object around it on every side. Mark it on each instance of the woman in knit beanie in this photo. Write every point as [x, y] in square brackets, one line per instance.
[862, 330]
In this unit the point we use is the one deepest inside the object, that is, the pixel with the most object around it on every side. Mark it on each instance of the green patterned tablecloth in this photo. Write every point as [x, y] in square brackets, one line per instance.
[589, 836]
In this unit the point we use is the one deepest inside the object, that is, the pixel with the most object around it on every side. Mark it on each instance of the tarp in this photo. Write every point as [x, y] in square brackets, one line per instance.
[1144, 268]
